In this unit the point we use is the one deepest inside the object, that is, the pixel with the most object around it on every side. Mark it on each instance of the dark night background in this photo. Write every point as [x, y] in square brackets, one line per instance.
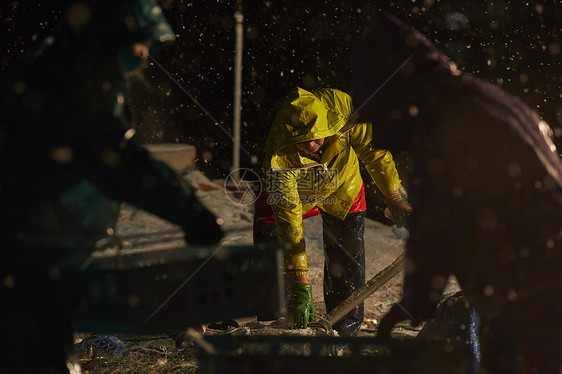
[515, 44]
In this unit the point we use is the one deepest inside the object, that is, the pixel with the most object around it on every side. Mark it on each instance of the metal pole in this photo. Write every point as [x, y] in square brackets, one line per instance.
[237, 91]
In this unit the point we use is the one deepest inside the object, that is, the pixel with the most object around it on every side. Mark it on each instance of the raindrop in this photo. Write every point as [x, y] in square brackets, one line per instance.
[488, 219]
[413, 111]
[554, 48]
[456, 21]
[19, 87]
[514, 169]
[78, 15]
[457, 191]
[62, 155]
[336, 269]
[539, 8]
[129, 134]
[435, 296]
[110, 157]
[512, 294]
[438, 282]
[9, 281]
[54, 273]
[133, 301]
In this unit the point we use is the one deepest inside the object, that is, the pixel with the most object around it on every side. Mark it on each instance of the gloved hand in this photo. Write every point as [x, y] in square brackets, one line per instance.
[204, 230]
[301, 306]
[398, 208]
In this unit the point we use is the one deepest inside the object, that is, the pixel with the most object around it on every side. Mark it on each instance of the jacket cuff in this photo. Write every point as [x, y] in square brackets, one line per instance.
[295, 273]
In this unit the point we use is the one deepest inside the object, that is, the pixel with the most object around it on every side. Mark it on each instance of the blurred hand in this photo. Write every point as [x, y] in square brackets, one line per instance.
[301, 306]
[140, 50]
[398, 209]
[205, 230]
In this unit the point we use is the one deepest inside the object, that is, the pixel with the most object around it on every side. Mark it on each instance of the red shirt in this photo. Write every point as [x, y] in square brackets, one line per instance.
[264, 213]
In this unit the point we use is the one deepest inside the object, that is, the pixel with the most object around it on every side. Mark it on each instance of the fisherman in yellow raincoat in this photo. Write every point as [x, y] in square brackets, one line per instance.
[312, 166]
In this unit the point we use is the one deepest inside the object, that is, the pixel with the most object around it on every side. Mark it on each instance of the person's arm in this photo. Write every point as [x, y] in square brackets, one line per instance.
[284, 199]
[153, 186]
[102, 150]
[378, 162]
[287, 207]
[380, 165]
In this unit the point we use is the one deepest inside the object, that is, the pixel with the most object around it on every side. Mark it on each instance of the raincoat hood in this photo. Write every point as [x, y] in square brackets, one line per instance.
[302, 117]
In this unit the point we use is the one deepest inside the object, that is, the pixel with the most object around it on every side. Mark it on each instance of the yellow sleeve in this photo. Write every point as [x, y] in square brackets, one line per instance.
[378, 162]
[285, 202]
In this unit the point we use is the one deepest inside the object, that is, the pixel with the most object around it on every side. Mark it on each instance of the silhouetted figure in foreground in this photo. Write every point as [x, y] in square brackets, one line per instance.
[65, 148]
[486, 192]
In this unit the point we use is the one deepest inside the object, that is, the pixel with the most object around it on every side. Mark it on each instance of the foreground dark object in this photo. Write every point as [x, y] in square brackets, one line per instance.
[66, 149]
[456, 322]
[318, 354]
[486, 188]
[145, 291]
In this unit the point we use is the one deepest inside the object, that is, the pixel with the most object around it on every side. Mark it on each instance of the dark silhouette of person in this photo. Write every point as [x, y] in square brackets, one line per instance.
[486, 193]
[66, 149]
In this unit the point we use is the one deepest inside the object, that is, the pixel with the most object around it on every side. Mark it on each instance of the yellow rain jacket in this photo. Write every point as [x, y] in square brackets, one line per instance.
[296, 183]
